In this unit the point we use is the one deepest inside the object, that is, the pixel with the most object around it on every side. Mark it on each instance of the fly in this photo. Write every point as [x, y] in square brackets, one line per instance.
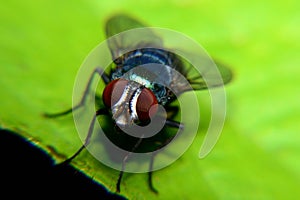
[132, 96]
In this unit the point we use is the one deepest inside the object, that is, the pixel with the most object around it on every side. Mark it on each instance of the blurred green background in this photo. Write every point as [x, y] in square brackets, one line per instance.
[43, 44]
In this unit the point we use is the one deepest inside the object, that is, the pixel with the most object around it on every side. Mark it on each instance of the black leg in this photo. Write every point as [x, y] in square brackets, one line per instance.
[170, 123]
[172, 112]
[104, 77]
[150, 175]
[88, 137]
[118, 186]
[174, 124]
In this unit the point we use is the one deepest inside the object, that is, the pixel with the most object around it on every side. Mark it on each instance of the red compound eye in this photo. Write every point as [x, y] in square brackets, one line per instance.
[144, 102]
[113, 92]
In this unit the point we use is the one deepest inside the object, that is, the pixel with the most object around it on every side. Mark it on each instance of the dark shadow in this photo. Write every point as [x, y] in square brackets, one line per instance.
[28, 172]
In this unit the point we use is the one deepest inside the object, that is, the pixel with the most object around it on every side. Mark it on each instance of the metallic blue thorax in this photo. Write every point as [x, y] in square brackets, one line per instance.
[150, 67]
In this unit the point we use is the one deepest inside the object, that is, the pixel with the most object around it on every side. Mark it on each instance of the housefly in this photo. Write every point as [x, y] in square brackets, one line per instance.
[133, 96]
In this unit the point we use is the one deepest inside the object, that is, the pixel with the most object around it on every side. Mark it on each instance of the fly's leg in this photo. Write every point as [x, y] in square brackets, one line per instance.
[88, 137]
[104, 77]
[170, 123]
[125, 159]
[150, 183]
[174, 124]
[172, 112]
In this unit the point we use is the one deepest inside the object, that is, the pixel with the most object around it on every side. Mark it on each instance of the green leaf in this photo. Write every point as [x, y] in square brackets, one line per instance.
[43, 44]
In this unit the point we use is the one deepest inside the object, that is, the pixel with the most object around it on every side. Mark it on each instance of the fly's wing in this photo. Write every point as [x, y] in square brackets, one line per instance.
[122, 41]
[208, 74]
[211, 77]
[128, 41]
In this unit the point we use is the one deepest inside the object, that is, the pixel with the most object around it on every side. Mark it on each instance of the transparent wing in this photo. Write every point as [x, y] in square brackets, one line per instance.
[204, 73]
[208, 74]
[119, 45]
[216, 77]
[120, 42]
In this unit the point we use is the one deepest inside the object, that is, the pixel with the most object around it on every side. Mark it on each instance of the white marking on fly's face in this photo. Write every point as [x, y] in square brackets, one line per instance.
[124, 112]
[134, 102]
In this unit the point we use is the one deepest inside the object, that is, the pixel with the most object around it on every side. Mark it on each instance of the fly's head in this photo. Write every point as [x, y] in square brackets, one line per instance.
[129, 102]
